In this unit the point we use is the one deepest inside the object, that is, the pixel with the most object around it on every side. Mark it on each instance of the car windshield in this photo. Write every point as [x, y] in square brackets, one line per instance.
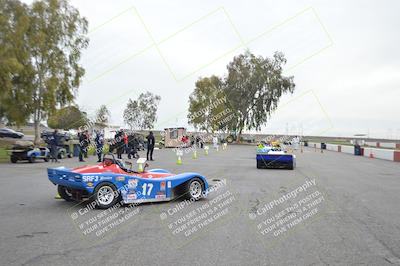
[8, 130]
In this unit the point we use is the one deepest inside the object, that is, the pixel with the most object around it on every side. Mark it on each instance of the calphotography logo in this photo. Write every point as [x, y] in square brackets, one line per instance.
[187, 220]
[94, 224]
[281, 216]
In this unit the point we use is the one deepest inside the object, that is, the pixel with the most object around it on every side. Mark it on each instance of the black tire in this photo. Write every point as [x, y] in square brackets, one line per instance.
[230, 139]
[13, 159]
[187, 189]
[64, 193]
[69, 155]
[32, 159]
[101, 202]
[47, 158]
[61, 155]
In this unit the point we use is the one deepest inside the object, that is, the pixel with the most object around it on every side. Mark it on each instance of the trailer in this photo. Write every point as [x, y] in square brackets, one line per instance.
[173, 137]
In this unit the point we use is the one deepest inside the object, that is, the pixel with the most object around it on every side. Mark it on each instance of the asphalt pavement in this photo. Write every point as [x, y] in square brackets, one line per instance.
[333, 209]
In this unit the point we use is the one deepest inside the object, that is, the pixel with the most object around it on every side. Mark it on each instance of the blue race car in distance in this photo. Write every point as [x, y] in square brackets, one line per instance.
[269, 157]
[111, 181]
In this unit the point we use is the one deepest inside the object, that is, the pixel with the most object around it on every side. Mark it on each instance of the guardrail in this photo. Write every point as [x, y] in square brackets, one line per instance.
[370, 152]
[389, 145]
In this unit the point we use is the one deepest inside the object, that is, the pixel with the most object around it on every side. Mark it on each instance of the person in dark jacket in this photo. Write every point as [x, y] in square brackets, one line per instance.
[197, 142]
[133, 145]
[53, 141]
[192, 141]
[86, 142]
[82, 140]
[150, 145]
[119, 140]
[99, 140]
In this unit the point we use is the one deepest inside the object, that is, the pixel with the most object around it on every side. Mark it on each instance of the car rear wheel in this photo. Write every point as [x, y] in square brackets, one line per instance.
[13, 159]
[64, 193]
[106, 195]
[61, 155]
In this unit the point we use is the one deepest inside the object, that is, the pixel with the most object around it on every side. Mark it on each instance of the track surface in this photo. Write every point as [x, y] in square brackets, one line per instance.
[358, 221]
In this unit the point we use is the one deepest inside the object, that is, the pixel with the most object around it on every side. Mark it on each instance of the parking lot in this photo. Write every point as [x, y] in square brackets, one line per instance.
[357, 220]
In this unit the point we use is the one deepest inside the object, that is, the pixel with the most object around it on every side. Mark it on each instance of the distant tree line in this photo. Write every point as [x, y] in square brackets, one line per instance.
[41, 47]
[245, 97]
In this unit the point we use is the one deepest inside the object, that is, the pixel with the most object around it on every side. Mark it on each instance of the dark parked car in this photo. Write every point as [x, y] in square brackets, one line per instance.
[62, 137]
[9, 133]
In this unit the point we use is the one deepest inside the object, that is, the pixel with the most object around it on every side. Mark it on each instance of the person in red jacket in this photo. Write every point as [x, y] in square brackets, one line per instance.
[125, 142]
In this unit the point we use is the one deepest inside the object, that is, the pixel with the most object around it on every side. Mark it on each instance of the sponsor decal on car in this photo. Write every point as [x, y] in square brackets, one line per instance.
[162, 186]
[131, 196]
[90, 178]
[105, 178]
[89, 184]
[169, 184]
[132, 183]
[160, 196]
[120, 178]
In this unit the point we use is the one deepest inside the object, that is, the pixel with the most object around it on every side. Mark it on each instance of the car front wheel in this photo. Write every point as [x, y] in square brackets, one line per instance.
[106, 195]
[32, 159]
[194, 189]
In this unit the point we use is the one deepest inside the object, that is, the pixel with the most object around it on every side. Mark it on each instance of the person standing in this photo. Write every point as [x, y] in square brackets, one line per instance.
[86, 143]
[116, 141]
[133, 145]
[150, 145]
[81, 145]
[126, 148]
[119, 139]
[192, 140]
[53, 146]
[215, 141]
[99, 140]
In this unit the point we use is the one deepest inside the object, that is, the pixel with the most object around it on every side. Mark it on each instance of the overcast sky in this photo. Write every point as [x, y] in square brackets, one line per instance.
[344, 56]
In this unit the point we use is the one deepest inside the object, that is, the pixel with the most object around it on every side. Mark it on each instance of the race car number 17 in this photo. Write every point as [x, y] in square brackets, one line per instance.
[147, 187]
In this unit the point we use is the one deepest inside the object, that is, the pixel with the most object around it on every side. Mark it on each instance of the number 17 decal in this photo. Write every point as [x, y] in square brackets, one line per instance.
[147, 187]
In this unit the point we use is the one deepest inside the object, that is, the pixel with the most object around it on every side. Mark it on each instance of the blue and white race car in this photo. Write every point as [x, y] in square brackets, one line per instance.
[111, 181]
[272, 157]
